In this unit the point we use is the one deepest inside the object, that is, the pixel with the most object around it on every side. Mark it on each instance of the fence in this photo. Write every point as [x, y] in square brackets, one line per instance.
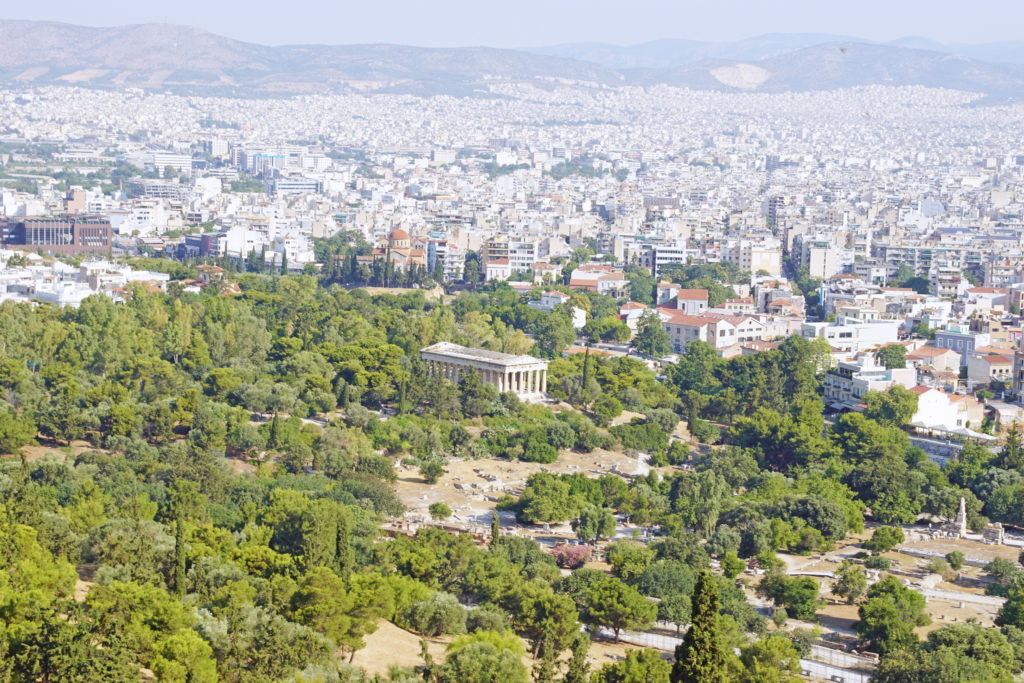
[828, 664]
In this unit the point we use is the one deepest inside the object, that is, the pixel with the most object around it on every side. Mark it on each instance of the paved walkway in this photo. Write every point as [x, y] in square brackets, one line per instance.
[845, 668]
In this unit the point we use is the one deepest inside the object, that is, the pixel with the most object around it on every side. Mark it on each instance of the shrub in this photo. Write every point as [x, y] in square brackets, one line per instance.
[939, 566]
[486, 619]
[439, 510]
[431, 472]
[437, 615]
[885, 539]
[704, 431]
[877, 562]
[956, 560]
[571, 556]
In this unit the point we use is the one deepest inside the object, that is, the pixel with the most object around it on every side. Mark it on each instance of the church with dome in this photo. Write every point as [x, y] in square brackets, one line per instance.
[401, 250]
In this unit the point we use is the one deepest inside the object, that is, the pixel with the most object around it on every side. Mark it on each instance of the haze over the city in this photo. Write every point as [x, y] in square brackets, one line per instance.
[529, 23]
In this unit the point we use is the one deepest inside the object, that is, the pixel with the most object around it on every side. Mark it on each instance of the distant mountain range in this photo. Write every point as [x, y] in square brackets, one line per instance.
[183, 59]
[670, 53]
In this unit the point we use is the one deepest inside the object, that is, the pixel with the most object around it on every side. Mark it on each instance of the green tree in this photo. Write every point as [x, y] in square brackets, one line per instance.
[15, 431]
[482, 662]
[629, 558]
[439, 510]
[732, 565]
[639, 666]
[547, 498]
[431, 471]
[773, 659]
[437, 615]
[884, 539]
[612, 604]
[956, 560]
[594, 523]
[323, 603]
[651, 338]
[1012, 611]
[892, 356]
[701, 657]
[578, 670]
[894, 407]
[798, 594]
[889, 616]
[851, 583]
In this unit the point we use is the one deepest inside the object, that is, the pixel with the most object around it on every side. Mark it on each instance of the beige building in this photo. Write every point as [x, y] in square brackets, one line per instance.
[525, 376]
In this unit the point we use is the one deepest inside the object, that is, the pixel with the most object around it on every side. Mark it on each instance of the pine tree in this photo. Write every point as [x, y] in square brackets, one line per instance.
[700, 658]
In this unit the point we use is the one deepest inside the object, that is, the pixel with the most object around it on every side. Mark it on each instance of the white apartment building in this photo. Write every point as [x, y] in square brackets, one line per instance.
[818, 254]
[847, 383]
[755, 256]
[851, 335]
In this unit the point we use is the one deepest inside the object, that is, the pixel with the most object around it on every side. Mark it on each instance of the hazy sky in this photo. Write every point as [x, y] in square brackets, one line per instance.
[516, 23]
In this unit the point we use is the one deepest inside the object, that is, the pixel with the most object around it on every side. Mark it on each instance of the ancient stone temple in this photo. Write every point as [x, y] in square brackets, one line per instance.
[525, 376]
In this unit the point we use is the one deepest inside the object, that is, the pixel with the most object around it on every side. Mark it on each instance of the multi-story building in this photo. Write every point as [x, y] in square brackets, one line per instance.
[295, 185]
[848, 382]
[852, 335]
[818, 255]
[67, 235]
[960, 338]
[755, 256]
[449, 255]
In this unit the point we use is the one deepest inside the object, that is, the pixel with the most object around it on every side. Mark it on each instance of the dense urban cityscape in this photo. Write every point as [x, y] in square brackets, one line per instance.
[559, 381]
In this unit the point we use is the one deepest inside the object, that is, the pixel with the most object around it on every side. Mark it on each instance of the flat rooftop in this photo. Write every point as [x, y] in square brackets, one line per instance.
[466, 353]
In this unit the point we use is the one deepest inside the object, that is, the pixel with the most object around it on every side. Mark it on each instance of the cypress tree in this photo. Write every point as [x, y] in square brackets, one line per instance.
[343, 549]
[179, 555]
[579, 668]
[700, 658]
[495, 527]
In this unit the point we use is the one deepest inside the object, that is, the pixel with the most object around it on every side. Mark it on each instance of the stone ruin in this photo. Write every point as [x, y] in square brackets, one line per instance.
[993, 534]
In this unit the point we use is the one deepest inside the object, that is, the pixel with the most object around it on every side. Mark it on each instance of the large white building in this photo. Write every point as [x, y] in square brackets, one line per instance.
[524, 376]
[852, 335]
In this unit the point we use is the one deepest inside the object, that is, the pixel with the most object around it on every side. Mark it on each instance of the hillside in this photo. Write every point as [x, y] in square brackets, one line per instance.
[184, 59]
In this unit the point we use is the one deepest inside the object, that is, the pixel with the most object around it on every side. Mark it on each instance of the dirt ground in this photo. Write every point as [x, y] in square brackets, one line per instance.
[607, 652]
[970, 581]
[470, 487]
[971, 549]
[36, 452]
[390, 645]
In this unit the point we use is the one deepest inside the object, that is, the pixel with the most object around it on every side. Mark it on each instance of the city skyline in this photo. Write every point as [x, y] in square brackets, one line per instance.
[536, 23]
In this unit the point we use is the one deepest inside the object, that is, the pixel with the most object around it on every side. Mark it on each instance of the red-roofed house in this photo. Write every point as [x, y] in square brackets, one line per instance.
[944, 360]
[987, 364]
[692, 301]
[603, 279]
[630, 313]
